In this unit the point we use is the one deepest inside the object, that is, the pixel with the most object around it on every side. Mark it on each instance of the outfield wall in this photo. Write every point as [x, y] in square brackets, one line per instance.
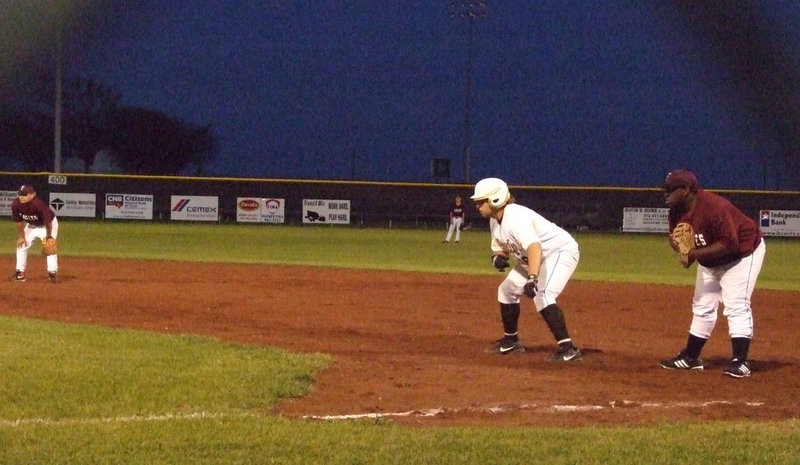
[374, 203]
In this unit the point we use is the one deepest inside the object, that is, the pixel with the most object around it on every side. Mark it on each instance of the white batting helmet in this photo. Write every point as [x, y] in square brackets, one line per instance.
[492, 189]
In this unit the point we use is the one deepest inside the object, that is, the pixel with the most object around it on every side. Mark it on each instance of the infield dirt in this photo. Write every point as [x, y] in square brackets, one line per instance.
[413, 344]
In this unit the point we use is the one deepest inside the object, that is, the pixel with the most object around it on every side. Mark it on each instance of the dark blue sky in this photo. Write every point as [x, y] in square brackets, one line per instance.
[586, 93]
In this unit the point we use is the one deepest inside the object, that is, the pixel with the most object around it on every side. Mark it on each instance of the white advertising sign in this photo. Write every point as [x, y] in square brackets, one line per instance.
[194, 208]
[272, 211]
[780, 222]
[74, 204]
[57, 179]
[129, 206]
[259, 210]
[248, 210]
[6, 197]
[649, 220]
[325, 211]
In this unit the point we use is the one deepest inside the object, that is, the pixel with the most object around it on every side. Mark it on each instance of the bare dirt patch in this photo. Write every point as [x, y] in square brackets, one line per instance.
[415, 343]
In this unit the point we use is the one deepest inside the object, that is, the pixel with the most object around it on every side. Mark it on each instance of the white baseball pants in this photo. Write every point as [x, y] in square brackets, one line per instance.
[455, 225]
[40, 233]
[554, 273]
[732, 285]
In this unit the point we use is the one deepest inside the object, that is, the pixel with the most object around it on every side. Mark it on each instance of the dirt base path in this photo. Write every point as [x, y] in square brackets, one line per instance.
[411, 346]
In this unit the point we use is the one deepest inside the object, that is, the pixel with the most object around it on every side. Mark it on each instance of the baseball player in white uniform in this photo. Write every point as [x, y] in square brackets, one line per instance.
[546, 256]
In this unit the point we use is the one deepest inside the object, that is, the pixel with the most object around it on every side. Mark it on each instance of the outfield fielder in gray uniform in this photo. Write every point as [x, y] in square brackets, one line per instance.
[546, 256]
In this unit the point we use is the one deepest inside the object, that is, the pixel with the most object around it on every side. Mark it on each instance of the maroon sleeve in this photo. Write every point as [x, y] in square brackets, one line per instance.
[708, 220]
[672, 218]
[722, 228]
[16, 214]
[36, 213]
[738, 232]
[718, 220]
[45, 213]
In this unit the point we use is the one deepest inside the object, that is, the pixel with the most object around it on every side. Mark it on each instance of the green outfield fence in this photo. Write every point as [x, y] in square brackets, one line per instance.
[379, 204]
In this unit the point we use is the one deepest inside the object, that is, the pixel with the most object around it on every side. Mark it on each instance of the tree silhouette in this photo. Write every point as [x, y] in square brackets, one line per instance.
[146, 141]
[26, 141]
[140, 140]
[89, 109]
[28, 126]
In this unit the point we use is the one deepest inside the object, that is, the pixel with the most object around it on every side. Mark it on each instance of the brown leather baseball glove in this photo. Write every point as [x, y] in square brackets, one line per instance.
[49, 246]
[683, 238]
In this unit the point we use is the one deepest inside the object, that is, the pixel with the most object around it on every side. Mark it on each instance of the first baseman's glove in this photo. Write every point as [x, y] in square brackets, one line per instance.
[49, 246]
[532, 286]
[683, 238]
[500, 262]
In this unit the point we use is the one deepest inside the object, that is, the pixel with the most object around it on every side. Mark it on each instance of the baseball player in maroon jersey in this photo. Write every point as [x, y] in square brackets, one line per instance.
[545, 256]
[34, 220]
[457, 216]
[729, 252]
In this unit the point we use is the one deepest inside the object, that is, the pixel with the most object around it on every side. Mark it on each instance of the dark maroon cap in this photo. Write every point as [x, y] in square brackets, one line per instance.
[680, 178]
[26, 189]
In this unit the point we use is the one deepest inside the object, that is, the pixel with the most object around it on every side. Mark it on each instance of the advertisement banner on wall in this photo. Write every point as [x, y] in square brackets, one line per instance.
[648, 220]
[194, 208]
[6, 197]
[326, 211]
[780, 222]
[129, 206]
[74, 204]
[272, 210]
[259, 210]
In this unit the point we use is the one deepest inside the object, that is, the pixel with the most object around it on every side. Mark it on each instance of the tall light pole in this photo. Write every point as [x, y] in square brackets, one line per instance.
[58, 98]
[470, 11]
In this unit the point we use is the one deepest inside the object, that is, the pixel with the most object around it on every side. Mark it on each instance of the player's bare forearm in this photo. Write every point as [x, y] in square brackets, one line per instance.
[714, 250]
[534, 258]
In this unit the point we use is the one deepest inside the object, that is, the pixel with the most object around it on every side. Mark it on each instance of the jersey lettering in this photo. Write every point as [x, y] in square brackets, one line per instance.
[699, 240]
[509, 247]
[513, 249]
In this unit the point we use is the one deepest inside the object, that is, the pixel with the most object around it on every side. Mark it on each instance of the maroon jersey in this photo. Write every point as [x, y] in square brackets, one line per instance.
[36, 212]
[457, 211]
[716, 219]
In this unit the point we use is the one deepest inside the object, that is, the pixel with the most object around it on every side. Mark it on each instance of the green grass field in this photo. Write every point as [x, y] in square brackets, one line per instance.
[75, 394]
[604, 257]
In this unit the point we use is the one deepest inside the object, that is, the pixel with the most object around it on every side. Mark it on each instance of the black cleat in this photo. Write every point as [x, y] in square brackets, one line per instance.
[682, 362]
[737, 369]
[506, 346]
[566, 354]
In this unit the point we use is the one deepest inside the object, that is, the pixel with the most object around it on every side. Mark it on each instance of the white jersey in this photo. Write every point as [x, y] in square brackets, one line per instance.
[521, 227]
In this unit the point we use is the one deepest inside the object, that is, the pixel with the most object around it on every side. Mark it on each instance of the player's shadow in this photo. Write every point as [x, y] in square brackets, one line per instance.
[549, 349]
[755, 365]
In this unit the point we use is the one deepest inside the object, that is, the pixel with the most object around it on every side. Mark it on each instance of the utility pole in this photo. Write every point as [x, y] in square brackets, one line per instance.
[470, 11]
[58, 98]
